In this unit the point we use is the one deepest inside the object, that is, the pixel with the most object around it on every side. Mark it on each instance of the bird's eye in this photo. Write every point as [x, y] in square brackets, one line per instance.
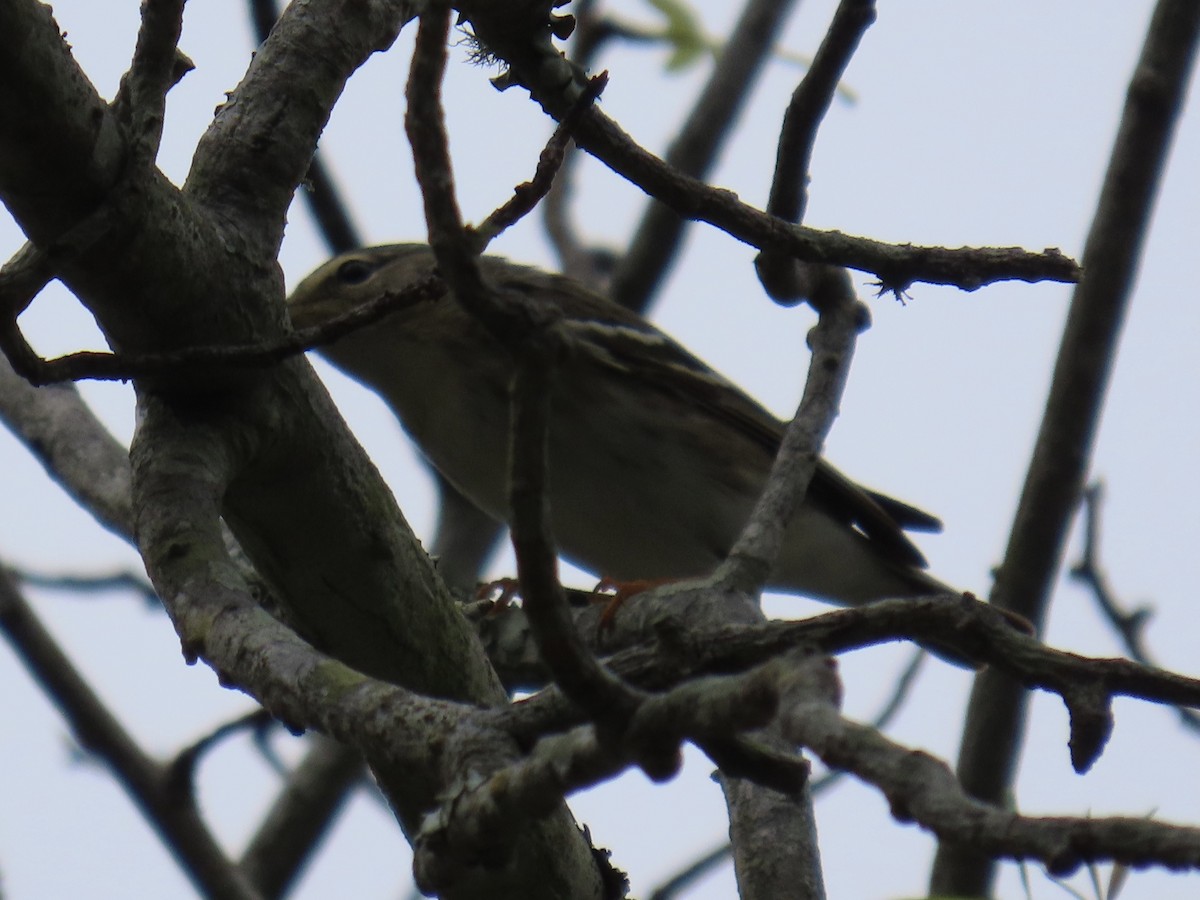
[354, 271]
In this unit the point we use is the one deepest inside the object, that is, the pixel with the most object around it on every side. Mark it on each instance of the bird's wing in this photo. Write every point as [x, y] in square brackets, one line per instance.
[619, 337]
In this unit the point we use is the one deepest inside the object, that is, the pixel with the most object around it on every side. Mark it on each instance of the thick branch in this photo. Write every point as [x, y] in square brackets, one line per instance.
[180, 470]
[321, 193]
[832, 342]
[259, 147]
[71, 443]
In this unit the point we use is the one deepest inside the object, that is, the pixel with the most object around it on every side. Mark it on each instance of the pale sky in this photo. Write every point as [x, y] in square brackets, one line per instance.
[977, 123]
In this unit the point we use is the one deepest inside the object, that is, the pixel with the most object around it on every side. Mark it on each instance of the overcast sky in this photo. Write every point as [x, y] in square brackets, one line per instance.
[976, 123]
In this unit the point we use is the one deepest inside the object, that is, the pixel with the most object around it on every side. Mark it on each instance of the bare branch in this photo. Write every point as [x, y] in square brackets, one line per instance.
[659, 235]
[882, 719]
[22, 279]
[192, 362]
[528, 194]
[994, 728]
[171, 811]
[586, 264]
[72, 445]
[301, 815]
[1130, 626]
[535, 63]
[157, 65]
[922, 789]
[319, 189]
[809, 105]
[786, 279]
[832, 341]
[260, 145]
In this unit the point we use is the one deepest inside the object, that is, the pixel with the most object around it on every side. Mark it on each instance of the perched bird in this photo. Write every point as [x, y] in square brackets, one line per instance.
[655, 460]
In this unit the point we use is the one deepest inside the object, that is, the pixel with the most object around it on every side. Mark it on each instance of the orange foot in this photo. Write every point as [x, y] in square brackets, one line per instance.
[620, 591]
[507, 588]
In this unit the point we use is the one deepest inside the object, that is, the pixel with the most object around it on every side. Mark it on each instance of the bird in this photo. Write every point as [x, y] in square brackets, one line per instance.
[654, 460]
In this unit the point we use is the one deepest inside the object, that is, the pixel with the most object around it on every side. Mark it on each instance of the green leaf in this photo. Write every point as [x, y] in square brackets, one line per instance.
[684, 34]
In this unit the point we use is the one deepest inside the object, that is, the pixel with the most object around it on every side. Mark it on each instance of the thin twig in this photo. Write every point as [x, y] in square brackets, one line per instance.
[659, 235]
[591, 265]
[90, 584]
[810, 103]
[1130, 626]
[922, 789]
[183, 767]
[882, 719]
[527, 195]
[693, 872]
[149, 784]
[100, 366]
[842, 317]
[573, 666]
[554, 84]
[786, 279]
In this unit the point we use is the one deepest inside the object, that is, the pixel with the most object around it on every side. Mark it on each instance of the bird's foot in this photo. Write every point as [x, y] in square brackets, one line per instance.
[504, 589]
[616, 592]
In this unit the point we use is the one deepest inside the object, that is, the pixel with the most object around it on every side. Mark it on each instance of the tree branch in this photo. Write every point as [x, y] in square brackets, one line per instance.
[994, 729]
[524, 43]
[301, 816]
[72, 445]
[157, 65]
[922, 789]
[694, 150]
[786, 279]
[1130, 626]
[319, 188]
[167, 805]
